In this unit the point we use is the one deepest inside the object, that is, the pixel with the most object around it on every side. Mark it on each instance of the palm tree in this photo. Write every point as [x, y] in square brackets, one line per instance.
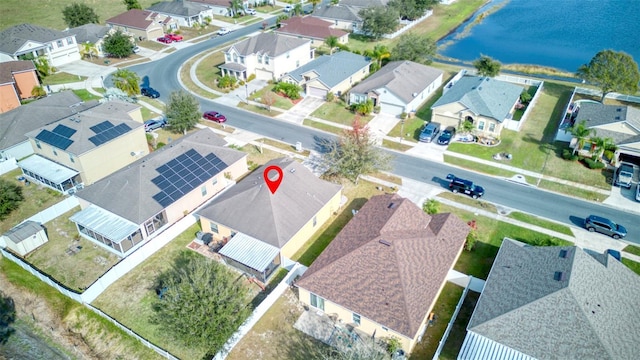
[314, 3]
[236, 6]
[602, 144]
[582, 133]
[38, 91]
[379, 53]
[331, 42]
[297, 9]
[88, 49]
[127, 81]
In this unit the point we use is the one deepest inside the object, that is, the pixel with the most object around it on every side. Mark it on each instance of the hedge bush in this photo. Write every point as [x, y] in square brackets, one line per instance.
[593, 164]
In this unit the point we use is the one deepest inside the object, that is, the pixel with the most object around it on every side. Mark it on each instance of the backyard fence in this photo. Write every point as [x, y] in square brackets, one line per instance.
[408, 26]
[8, 165]
[616, 96]
[164, 353]
[55, 210]
[517, 124]
[453, 320]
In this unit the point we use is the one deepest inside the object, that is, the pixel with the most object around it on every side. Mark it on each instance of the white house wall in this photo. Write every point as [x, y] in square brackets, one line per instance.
[389, 102]
[18, 151]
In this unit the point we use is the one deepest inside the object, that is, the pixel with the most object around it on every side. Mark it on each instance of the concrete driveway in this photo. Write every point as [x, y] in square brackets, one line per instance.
[91, 70]
[302, 110]
[624, 198]
[431, 151]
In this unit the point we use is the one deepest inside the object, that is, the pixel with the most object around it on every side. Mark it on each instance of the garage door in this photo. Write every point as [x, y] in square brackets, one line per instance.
[630, 158]
[262, 74]
[316, 92]
[155, 33]
[391, 109]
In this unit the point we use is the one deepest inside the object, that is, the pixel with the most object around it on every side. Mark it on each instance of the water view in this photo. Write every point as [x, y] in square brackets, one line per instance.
[563, 34]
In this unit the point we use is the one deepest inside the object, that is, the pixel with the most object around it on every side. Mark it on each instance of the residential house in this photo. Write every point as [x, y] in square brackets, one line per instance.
[334, 73]
[90, 34]
[142, 24]
[315, 29]
[16, 123]
[555, 302]
[618, 122]
[382, 274]
[85, 147]
[483, 101]
[398, 87]
[263, 230]
[218, 7]
[342, 17]
[267, 55]
[129, 207]
[186, 13]
[26, 42]
[17, 80]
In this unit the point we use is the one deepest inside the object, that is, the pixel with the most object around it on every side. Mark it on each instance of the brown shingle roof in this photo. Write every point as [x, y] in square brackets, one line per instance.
[395, 284]
[135, 18]
[309, 26]
[7, 69]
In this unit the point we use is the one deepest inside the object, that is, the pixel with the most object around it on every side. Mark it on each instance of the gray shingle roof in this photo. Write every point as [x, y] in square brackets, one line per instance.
[13, 38]
[337, 12]
[23, 231]
[388, 263]
[332, 69]
[88, 33]
[40, 113]
[597, 114]
[552, 307]
[364, 3]
[8, 68]
[181, 8]
[484, 96]
[115, 112]
[402, 78]
[250, 208]
[270, 43]
[134, 184]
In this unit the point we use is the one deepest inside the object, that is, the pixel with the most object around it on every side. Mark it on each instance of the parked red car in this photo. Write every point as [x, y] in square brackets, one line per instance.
[214, 116]
[165, 39]
[175, 37]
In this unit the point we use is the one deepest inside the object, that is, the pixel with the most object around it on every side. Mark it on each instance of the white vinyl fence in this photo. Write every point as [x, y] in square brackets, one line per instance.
[616, 96]
[55, 210]
[8, 165]
[443, 340]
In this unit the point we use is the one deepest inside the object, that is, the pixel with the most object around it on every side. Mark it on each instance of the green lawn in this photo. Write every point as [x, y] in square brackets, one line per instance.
[634, 266]
[281, 101]
[337, 112]
[468, 164]
[36, 198]
[534, 220]
[85, 95]
[62, 78]
[207, 71]
[49, 13]
[632, 249]
[322, 126]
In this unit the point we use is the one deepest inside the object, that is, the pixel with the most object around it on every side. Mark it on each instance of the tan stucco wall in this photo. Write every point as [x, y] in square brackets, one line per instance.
[301, 237]
[455, 113]
[25, 82]
[620, 127]
[136, 115]
[8, 98]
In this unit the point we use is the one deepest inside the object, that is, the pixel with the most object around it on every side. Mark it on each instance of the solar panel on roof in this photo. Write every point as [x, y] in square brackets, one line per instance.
[98, 128]
[54, 139]
[108, 133]
[64, 131]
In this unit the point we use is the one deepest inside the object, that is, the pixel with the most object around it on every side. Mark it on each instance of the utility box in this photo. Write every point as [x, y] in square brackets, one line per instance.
[24, 238]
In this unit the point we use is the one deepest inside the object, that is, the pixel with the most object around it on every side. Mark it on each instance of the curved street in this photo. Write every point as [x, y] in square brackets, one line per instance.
[163, 76]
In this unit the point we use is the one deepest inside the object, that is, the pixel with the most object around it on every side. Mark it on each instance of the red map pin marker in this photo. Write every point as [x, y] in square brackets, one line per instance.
[271, 183]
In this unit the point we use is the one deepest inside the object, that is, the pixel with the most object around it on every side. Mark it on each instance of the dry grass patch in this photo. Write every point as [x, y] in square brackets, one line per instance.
[258, 109]
[258, 157]
[69, 258]
[283, 146]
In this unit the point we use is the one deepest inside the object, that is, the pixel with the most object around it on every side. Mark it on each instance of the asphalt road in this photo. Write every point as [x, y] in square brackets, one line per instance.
[162, 75]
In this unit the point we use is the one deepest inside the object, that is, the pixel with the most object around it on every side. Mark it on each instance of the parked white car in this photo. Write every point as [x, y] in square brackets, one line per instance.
[288, 8]
[223, 31]
[250, 11]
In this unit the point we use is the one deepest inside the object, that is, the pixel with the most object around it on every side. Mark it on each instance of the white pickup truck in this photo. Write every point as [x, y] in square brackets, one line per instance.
[625, 175]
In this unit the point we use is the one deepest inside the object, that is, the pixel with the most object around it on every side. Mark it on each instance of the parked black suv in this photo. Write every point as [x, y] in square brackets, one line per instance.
[605, 226]
[150, 92]
[457, 184]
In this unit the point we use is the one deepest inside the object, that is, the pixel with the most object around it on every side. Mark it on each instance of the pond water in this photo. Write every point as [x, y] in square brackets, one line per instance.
[563, 34]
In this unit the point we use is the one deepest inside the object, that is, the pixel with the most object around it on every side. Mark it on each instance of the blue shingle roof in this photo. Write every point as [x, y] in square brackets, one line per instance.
[332, 69]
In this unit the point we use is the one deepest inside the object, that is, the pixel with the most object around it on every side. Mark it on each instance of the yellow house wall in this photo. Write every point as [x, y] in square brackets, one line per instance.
[348, 83]
[301, 237]
[136, 115]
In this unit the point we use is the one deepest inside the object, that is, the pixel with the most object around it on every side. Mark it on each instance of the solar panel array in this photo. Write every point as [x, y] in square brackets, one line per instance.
[183, 174]
[57, 138]
[106, 131]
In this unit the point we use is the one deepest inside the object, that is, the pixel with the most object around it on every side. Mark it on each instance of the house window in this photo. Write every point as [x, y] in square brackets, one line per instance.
[385, 328]
[203, 190]
[38, 144]
[315, 220]
[481, 125]
[241, 59]
[297, 63]
[288, 54]
[50, 47]
[59, 43]
[71, 158]
[317, 301]
[350, 79]
[69, 41]
[259, 59]
[214, 227]
[266, 60]
[235, 58]
[54, 151]
[492, 127]
[227, 57]
[356, 318]
[215, 180]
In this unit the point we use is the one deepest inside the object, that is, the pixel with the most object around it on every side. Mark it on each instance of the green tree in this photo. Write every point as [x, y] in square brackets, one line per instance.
[127, 81]
[76, 14]
[431, 206]
[42, 67]
[10, 197]
[314, 3]
[117, 44]
[292, 91]
[235, 6]
[331, 42]
[132, 4]
[487, 66]
[407, 9]
[378, 20]
[582, 134]
[183, 111]
[601, 144]
[378, 53]
[202, 303]
[354, 154]
[414, 47]
[611, 71]
[88, 50]
[364, 108]
[38, 91]
[297, 9]
[7, 317]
